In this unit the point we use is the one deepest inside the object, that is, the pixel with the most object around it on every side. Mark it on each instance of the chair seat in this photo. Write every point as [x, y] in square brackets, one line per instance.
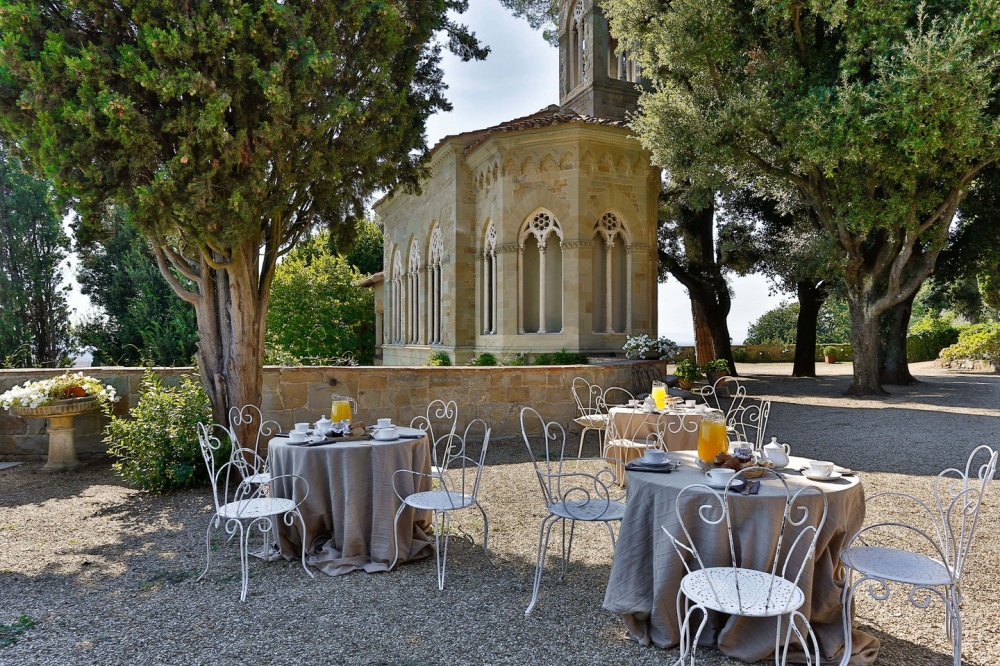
[439, 500]
[257, 507]
[742, 592]
[259, 479]
[896, 565]
[627, 444]
[599, 421]
[596, 509]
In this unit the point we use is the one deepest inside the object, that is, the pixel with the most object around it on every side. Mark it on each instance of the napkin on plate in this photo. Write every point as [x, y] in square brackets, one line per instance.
[635, 466]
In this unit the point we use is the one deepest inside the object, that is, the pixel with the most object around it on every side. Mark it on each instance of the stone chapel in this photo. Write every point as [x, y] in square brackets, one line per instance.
[535, 235]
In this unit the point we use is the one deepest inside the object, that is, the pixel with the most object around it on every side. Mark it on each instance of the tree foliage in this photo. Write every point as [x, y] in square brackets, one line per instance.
[876, 116]
[318, 316]
[140, 318]
[778, 326]
[230, 130]
[34, 317]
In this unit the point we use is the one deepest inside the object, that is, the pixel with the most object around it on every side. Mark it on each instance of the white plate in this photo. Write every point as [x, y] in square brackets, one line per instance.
[643, 460]
[722, 486]
[817, 477]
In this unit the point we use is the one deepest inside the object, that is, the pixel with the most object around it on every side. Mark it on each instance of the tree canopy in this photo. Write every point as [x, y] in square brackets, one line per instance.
[230, 131]
[877, 116]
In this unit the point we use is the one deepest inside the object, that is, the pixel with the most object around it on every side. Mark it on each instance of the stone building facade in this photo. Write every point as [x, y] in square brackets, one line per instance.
[534, 235]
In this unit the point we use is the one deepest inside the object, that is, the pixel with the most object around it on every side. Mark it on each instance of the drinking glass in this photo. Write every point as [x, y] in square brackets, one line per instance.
[659, 394]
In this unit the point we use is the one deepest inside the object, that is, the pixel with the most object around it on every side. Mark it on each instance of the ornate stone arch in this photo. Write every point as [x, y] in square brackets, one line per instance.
[490, 273]
[540, 225]
[612, 274]
[540, 274]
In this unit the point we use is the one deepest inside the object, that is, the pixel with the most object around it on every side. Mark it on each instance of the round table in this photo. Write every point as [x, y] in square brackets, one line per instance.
[631, 430]
[647, 572]
[351, 504]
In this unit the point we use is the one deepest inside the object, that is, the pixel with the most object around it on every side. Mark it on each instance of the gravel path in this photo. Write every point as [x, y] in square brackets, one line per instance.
[107, 572]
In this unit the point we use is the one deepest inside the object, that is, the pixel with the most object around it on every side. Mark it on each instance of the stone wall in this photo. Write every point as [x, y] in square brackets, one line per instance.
[494, 394]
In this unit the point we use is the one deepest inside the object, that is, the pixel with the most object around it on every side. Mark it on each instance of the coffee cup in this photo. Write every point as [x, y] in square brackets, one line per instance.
[297, 436]
[302, 427]
[656, 456]
[820, 468]
[386, 433]
[384, 423]
[690, 404]
[633, 403]
[719, 476]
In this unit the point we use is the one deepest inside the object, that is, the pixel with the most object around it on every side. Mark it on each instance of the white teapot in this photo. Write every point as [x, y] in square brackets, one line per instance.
[776, 453]
[324, 425]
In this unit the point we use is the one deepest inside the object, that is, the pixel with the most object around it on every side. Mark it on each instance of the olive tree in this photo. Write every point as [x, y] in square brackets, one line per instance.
[876, 115]
[229, 129]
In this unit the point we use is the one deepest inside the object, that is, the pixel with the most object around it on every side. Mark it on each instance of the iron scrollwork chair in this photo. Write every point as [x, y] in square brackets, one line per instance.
[749, 422]
[620, 433]
[255, 467]
[672, 424]
[592, 414]
[445, 416]
[243, 506]
[569, 496]
[737, 590]
[458, 489]
[937, 571]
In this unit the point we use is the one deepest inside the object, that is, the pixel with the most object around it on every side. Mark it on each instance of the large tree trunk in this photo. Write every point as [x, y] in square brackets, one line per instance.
[704, 350]
[811, 296]
[865, 346]
[893, 366]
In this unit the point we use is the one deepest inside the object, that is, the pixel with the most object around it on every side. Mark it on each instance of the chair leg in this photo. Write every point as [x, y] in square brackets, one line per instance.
[442, 551]
[302, 521]
[567, 550]
[583, 433]
[208, 546]
[486, 532]
[244, 537]
[395, 535]
[543, 546]
[952, 608]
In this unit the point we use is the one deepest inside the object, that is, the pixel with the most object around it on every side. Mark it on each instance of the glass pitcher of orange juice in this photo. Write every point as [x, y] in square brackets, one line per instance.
[340, 409]
[712, 437]
[659, 394]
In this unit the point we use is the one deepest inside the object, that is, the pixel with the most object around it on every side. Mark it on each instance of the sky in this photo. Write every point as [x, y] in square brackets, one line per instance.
[519, 77]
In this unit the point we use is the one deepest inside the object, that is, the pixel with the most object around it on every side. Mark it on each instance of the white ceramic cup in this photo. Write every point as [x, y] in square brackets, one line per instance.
[634, 403]
[690, 403]
[297, 436]
[820, 468]
[384, 423]
[302, 427]
[720, 476]
[386, 433]
[656, 455]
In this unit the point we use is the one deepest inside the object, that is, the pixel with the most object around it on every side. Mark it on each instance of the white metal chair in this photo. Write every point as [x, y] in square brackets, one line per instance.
[937, 571]
[726, 394]
[591, 417]
[734, 589]
[569, 496]
[671, 424]
[458, 488]
[620, 433]
[441, 417]
[748, 422]
[243, 506]
[244, 418]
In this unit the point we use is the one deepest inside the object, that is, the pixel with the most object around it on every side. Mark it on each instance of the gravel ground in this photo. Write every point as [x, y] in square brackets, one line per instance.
[107, 572]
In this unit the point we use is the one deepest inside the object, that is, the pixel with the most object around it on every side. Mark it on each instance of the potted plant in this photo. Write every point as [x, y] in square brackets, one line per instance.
[716, 369]
[687, 373]
[644, 346]
[830, 354]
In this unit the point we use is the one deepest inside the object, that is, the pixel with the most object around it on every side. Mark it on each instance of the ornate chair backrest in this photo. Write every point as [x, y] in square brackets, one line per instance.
[558, 484]
[212, 448]
[749, 421]
[587, 397]
[672, 424]
[249, 419]
[462, 469]
[803, 516]
[441, 418]
[726, 394]
[958, 496]
[624, 426]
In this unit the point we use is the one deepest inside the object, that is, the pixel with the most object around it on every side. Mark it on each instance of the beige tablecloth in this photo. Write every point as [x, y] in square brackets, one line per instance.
[635, 425]
[349, 511]
[647, 572]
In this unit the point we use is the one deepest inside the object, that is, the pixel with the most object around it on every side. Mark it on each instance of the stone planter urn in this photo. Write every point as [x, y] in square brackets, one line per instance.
[62, 450]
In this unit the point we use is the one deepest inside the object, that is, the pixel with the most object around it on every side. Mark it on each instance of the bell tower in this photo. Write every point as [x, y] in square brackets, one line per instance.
[594, 79]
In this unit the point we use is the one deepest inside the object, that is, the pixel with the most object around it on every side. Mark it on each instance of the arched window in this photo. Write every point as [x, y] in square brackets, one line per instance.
[434, 288]
[620, 66]
[540, 275]
[612, 276]
[490, 281]
[413, 295]
[396, 299]
[577, 48]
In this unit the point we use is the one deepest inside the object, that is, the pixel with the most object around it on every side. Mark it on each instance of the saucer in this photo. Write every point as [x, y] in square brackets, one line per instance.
[643, 460]
[376, 436]
[737, 485]
[817, 477]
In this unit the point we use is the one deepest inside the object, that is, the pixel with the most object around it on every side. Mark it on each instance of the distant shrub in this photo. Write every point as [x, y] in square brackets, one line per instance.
[520, 358]
[439, 359]
[484, 358]
[561, 357]
[979, 342]
[157, 444]
[740, 354]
